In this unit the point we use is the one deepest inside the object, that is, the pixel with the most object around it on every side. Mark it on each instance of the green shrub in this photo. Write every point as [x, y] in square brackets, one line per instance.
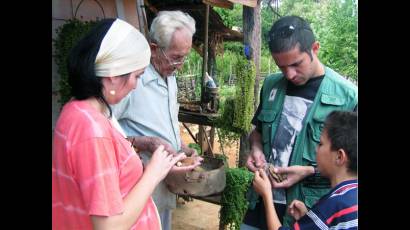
[67, 36]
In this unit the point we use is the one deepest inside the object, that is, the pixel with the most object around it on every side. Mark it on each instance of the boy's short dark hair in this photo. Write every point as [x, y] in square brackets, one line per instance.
[289, 31]
[341, 128]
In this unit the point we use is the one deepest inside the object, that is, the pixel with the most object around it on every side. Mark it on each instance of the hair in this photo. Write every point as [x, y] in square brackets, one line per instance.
[302, 35]
[81, 64]
[341, 128]
[166, 23]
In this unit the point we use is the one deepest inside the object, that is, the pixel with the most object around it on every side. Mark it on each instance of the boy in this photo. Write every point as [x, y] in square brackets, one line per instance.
[336, 160]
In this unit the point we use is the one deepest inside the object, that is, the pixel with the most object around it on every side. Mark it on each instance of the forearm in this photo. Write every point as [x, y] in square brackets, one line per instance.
[142, 143]
[255, 140]
[134, 203]
[272, 219]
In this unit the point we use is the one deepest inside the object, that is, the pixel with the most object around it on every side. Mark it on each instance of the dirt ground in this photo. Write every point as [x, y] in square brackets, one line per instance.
[197, 214]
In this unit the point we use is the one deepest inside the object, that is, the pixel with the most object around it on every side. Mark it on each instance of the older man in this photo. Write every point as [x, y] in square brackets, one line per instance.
[149, 115]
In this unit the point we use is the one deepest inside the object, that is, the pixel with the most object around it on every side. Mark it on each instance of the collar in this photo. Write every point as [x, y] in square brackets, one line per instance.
[151, 75]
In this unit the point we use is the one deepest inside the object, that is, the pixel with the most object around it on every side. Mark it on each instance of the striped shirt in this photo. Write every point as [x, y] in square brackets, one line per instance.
[93, 168]
[336, 210]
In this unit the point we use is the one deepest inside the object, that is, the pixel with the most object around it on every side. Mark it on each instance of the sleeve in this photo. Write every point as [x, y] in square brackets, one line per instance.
[255, 120]
[310, 221]
[96, 171]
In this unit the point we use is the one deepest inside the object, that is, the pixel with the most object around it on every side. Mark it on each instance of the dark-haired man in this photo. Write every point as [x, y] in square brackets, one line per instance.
[293, 106]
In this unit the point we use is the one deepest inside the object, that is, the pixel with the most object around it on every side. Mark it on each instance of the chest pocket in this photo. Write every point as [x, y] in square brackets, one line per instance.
[267, 117]
[328, 103]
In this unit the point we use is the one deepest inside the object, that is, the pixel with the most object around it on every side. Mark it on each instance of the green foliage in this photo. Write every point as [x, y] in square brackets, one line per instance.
[236, 111]
[67, 36]
[233, 200]
[231, 17]
[196, 147]
[244, 96]
[335, 25]
[339, 40]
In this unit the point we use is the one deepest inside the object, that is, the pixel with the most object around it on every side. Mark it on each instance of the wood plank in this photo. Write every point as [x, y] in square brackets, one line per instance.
[219, 3]
[250, 3]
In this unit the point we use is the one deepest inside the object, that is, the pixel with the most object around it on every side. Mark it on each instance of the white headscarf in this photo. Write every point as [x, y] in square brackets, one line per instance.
[123, 50]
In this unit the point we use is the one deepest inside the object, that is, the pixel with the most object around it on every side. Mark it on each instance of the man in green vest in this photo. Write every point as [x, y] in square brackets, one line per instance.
[288, 122]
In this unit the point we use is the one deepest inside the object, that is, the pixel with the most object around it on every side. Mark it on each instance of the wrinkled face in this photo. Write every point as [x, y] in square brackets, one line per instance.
[168, 60]
[325, 157]
[122, 85]
[297, 66]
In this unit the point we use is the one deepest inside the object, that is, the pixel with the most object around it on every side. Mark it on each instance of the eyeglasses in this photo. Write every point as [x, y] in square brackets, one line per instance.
[285, 31]
[173, 62]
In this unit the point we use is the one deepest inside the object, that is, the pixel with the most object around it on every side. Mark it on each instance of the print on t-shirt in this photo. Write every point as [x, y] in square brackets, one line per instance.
[293, 113]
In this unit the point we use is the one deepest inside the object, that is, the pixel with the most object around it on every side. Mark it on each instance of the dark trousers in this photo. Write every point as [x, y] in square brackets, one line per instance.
[257, 216]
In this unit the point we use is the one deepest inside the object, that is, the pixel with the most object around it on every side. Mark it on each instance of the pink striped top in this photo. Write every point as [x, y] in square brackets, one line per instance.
[93, 169]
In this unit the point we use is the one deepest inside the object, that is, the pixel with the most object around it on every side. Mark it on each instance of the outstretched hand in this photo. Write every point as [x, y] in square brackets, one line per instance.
[292, 175]
[183, 169]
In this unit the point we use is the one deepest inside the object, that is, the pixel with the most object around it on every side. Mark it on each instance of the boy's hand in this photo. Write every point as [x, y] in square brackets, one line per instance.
[292, 175]
[297, 209]
[261, 184]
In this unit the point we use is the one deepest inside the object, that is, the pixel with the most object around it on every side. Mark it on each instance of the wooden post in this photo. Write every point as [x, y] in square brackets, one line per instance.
[251, 37]
[204, 70]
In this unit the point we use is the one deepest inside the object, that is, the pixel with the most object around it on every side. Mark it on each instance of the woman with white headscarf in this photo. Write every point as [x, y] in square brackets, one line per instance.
[98, 181]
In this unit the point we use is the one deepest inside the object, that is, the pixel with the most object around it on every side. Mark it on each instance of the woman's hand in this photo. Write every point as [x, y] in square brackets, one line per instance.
[161, 162]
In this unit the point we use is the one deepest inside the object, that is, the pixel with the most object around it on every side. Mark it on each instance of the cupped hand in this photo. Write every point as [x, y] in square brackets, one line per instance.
[255, 160]
[297, 209]
[183, 169]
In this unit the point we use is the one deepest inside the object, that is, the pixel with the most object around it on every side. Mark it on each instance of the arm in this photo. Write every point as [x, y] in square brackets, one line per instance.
[150, 144]
[256, 158]
[263, 187]
[158, 167]
[293, 175]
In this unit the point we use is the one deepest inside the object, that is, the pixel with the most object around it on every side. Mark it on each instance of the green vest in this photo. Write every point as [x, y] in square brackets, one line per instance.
[334, 93]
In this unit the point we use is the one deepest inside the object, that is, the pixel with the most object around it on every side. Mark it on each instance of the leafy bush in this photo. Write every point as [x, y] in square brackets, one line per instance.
[67, 36]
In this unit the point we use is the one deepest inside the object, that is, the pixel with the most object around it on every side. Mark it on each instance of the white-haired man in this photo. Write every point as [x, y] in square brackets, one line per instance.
[149, 115]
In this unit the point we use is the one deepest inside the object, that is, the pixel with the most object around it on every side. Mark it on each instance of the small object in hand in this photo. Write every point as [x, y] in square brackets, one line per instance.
[277, 177]
[186, 162]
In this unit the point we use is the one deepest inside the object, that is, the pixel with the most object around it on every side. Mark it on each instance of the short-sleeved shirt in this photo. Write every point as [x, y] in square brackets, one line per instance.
[93, 168]
[152, 110]
[336, 210]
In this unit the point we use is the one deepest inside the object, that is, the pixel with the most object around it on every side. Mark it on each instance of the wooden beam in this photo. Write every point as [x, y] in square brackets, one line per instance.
[219, 3]
[250, 3]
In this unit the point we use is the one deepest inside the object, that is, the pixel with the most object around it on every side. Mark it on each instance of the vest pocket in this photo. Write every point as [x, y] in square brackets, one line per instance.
[266, 116]
[328, 103]
[314, 129]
